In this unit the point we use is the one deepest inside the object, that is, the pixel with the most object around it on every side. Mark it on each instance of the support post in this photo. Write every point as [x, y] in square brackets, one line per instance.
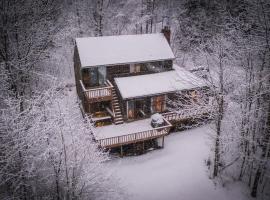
[134, 149]
[163, 142]
[121, 154]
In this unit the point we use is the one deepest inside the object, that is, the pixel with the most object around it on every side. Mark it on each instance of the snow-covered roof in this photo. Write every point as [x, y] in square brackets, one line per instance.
[158, 83]
[121, 49]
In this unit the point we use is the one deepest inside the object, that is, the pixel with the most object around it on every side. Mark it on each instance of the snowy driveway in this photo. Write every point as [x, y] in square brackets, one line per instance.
[176, 172]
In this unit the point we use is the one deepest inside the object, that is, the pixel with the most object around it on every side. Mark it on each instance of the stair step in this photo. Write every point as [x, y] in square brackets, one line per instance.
[118, 119]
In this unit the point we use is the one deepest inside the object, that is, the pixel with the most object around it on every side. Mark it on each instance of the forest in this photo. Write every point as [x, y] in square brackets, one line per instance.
[47, 150]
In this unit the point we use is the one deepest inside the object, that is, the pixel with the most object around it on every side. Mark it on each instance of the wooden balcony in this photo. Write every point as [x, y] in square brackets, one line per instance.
[150, 133]
[98, 93]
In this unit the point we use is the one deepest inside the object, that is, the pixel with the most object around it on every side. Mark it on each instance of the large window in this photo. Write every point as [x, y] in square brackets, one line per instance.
[96, 76]
[102, 73]
[158, 103]
[93, 74]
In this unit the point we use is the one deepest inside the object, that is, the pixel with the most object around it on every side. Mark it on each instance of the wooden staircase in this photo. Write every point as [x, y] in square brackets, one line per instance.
[118, 119]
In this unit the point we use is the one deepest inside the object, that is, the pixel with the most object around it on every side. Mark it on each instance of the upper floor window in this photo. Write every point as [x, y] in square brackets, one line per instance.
[135, 68]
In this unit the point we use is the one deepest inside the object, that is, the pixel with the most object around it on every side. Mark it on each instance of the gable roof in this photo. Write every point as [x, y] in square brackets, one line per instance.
[158, 83]
[123, 49]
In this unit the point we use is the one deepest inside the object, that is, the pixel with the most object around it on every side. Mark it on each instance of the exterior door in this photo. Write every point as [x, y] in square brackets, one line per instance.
[158, 104]
[130, 110]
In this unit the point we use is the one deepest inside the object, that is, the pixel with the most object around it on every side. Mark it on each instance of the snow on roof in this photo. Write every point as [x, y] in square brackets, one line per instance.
[121, 49]
[158, 83]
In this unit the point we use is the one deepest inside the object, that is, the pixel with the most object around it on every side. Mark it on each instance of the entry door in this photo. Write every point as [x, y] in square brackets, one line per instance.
[93, 74]
[158, 104]
[130, 110]
[139, 108]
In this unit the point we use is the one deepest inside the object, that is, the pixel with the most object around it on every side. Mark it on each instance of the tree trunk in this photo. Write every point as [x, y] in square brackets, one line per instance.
[264, 155]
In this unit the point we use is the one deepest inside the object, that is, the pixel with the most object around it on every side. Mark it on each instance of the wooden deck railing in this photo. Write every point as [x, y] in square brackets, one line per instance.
[135, 137]
[188, 113]
[95, 94]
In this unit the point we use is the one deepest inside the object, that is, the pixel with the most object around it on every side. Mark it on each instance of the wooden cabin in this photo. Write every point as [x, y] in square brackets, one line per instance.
[123, 80]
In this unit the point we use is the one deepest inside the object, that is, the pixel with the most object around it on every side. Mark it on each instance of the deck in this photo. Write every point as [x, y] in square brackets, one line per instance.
[141, 130]
[127, 133]
[99, 93]
[188, 114]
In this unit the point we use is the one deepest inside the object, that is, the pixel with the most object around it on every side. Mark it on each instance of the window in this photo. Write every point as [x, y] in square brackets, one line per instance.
[102, 73]
[194, 96]
[158, 103]
[96, 76]
[135, 68]
[93, 74]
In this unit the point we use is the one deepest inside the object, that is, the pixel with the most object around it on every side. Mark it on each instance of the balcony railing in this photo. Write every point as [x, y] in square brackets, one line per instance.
[135, 137]
[99, 93]
[188, 113]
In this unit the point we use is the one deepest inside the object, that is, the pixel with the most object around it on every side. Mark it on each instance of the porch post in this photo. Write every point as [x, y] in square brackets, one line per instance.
[121, 154]
[163, 142]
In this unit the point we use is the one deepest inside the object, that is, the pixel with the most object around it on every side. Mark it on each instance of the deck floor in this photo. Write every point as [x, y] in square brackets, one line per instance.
[122, 129]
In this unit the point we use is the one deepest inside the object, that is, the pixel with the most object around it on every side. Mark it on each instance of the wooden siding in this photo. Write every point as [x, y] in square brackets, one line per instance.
[113, 71]
[77, 67]
[124, 70]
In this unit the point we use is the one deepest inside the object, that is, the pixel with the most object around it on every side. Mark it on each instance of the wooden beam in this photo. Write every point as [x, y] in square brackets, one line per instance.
[121, 154]
[163, 142]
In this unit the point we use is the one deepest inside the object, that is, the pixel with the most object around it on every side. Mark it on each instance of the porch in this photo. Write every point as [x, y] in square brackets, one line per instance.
[127, 133]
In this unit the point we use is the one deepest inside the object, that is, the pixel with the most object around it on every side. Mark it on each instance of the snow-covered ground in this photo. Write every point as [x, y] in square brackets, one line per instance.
[176, 172]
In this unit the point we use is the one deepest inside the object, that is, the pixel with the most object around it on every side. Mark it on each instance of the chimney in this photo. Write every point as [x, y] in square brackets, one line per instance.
[167, 33]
